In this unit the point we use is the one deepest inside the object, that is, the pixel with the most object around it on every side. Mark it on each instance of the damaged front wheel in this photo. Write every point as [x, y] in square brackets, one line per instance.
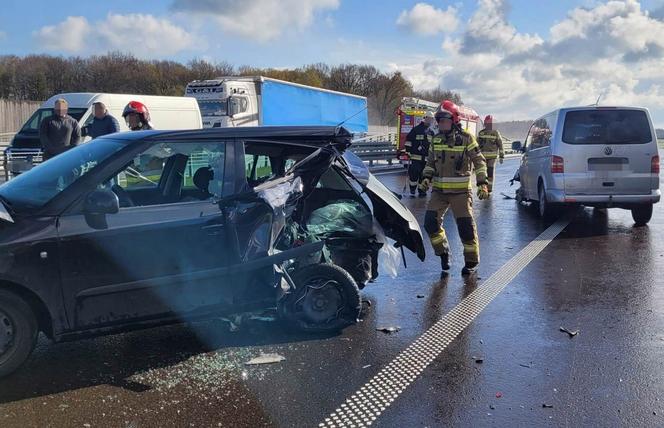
[326, 298]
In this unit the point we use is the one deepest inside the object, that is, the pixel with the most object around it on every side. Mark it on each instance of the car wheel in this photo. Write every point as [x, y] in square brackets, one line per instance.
[546, 210]
[642, 214]
[18, 332]
[326, 298]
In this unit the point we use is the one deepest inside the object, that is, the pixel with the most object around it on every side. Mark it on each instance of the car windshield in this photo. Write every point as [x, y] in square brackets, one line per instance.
[34, 188]
[32, 125]
[607, 127]
[212, 108]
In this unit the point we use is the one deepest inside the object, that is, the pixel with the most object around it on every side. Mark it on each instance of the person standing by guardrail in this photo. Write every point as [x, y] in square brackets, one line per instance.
[102, 123]
[491, 145]
[58, 132]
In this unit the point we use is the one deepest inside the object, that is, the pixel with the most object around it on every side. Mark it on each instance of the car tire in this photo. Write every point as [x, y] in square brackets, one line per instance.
[18, 327]
[546, 210]
[642, 214]
[326, 298]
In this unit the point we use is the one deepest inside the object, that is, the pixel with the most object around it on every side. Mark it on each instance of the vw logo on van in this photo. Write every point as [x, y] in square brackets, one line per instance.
[608, 151]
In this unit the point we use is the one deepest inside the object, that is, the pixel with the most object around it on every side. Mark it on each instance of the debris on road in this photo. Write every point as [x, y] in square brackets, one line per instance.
[367, 366]
[389, 330]
[420, 296]
[506, 196]
[499, 394]
[525, 365]
[492, 407]
[478, 360]
[547, 406]
[266, 359]
[571, 333]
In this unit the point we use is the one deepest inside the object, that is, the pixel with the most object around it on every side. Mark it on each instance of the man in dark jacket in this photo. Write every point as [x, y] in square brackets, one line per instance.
[58, 132]
[417, 146]
[102, 124]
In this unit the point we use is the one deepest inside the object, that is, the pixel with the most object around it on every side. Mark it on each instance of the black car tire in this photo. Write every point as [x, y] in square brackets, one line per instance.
[326, 299]
[546, 210]
[642, 214]
[18, 325]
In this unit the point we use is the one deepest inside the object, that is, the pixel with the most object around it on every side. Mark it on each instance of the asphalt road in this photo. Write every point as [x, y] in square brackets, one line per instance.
[510, 366]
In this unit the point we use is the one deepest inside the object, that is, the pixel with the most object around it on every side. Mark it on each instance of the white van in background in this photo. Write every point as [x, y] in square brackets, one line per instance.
[593, 156]
[165, 113]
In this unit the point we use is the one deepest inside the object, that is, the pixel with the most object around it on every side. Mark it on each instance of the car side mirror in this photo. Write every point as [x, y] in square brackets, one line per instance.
[97, 204]
[517, 146]
[101, 201]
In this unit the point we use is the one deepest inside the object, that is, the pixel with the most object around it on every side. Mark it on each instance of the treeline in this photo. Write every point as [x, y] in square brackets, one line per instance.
[37, 77]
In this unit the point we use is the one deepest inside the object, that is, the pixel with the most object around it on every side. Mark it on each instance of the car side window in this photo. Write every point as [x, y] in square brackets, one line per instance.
[168, 173]
[258, 168]
[540, 134]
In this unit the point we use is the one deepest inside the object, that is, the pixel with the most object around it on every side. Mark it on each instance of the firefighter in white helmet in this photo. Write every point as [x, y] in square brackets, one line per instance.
[417, 145]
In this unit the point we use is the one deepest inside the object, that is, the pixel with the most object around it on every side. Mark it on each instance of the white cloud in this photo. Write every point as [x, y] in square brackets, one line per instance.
[69, 36]
[142, 35]
[615, 49]
[427, 20]
[261, 20]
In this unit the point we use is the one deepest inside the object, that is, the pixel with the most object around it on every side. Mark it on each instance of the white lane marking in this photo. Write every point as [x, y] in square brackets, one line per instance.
[364, 407]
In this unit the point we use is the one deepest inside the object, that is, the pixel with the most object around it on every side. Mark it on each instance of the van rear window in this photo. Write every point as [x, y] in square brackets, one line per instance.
[607, 127]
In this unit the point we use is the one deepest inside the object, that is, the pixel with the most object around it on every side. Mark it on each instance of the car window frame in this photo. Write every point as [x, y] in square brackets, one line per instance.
[72, 203]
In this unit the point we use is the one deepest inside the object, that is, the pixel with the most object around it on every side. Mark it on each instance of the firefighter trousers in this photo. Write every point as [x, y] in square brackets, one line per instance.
[415, 174]
[462, 208]
[490, 172]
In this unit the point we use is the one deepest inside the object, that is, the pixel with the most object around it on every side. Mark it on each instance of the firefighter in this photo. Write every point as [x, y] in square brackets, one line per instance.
[491, 145]
[451, 159]
[417, 147]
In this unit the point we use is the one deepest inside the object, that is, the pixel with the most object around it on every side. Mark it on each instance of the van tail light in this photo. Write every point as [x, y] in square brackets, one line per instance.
[557, 165]
[654, 165]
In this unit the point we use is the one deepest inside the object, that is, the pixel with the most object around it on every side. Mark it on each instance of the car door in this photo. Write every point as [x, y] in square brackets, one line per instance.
[157, 257]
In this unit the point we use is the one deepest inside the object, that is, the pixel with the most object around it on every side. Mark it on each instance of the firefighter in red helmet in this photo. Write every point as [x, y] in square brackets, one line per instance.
[137, 116]
[452, 156]
[491, 145]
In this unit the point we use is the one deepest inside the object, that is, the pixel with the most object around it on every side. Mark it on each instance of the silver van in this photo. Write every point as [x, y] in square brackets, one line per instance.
[594, 156]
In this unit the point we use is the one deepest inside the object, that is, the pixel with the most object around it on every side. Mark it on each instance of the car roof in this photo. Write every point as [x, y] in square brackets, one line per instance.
[593, 107]
[311, 135]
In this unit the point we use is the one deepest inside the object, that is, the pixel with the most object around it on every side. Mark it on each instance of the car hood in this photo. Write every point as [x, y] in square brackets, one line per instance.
[399, 223]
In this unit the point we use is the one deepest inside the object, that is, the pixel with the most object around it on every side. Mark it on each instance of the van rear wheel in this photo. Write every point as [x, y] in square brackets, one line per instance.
[642, 214]
[547, 211]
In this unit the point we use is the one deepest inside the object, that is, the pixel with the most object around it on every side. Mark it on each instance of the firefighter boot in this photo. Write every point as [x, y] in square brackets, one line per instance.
[445, 261]
[469, 268]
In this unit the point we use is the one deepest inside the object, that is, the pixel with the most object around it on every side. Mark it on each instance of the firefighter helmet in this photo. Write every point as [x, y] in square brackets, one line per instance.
[447, 107]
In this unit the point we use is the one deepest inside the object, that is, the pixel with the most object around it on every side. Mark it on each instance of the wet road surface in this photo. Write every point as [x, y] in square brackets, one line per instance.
[511, 366]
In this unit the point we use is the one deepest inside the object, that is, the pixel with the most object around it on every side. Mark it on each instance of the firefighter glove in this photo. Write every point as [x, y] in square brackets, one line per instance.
[483, 191]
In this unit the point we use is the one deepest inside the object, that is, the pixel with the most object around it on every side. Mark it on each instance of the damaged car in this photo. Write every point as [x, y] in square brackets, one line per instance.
[139, 229]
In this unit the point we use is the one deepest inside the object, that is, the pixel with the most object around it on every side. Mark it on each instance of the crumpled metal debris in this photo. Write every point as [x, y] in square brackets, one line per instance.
[571, 333]
[266, 359]
[389, 330]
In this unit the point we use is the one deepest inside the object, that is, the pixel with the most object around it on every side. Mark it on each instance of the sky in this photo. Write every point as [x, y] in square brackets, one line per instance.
[515, 59]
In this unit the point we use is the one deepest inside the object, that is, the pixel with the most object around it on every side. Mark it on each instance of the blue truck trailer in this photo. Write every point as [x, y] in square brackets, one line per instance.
[262, 101]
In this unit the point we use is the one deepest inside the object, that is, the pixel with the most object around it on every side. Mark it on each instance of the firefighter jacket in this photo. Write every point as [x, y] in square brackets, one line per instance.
[418, 141]
[451, 160]
[491, 144]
